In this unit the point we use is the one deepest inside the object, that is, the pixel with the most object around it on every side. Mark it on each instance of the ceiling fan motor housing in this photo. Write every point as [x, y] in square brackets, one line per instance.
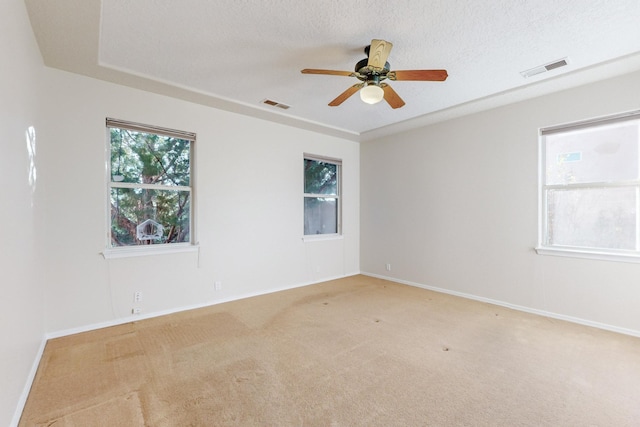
[366, 73]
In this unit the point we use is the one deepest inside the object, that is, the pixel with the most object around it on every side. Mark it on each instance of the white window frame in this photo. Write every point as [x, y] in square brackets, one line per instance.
[157, 249]
[583, 252]
[338, 197]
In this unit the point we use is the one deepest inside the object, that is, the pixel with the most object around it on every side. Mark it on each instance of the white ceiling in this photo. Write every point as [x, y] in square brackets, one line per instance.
[233, 54]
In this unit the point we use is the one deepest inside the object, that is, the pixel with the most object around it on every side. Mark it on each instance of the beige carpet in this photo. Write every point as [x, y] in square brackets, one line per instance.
[352, 352]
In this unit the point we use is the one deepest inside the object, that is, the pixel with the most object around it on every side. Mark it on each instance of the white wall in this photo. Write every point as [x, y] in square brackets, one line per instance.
[21, 303]
[248, 207]
[454, 206]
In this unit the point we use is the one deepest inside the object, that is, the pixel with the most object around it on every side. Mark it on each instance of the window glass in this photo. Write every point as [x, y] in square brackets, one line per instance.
[603, 218]
[321, 196]
[320, 216]
[320, 177]
[150, 186]
[590, 186]
[132, 207]
[599, 154]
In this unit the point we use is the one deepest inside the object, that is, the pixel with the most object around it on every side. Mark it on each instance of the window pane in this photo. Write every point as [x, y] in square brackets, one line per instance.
[139, 157]
[146, 217]
[320, 215]
[320, 177]
[606, 153]
[592, 218]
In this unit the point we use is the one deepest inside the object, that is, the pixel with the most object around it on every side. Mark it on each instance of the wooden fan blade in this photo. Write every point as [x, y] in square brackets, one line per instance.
[392, 98]
[345, 95]
[418, 75]
[330, 72]
[378, 53]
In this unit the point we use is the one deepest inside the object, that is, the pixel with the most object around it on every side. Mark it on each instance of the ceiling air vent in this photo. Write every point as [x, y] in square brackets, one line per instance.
[276, 104]
[544, 68]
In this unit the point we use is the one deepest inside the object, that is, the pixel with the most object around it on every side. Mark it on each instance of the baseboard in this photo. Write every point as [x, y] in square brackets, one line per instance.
[544, 313]
[28, 383]
[138, 317]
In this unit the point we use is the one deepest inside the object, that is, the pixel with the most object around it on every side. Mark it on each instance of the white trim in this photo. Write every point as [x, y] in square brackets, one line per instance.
[138, 317]
[135, 185]
[544, 313]
[587, 254]
[593, 185]
[542, 196]
[320, 237]
[29, 382]
[145, 250]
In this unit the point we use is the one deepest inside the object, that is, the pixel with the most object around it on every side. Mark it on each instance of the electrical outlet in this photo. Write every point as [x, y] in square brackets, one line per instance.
[217, 285]
[137, 296]
[136, 310]
[388, 266]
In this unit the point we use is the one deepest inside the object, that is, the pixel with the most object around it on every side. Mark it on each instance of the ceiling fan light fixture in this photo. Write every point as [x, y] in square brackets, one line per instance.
[371, 94]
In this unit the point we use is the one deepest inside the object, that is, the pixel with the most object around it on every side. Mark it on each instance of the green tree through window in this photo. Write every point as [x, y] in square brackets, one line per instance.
[150, 185]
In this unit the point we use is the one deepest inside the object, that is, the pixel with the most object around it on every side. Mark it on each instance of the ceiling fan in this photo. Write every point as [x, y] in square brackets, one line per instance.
[372, 71]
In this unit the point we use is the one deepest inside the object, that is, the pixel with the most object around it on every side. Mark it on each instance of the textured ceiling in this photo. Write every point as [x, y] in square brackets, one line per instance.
[233, 54]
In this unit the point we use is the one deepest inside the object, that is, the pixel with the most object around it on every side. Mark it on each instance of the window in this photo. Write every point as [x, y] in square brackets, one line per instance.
[590, 188]
[321, 196]
[150, 187]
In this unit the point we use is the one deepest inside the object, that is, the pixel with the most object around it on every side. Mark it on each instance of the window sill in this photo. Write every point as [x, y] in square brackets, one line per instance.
[321, 237]
[588, 254]
[134, 251]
